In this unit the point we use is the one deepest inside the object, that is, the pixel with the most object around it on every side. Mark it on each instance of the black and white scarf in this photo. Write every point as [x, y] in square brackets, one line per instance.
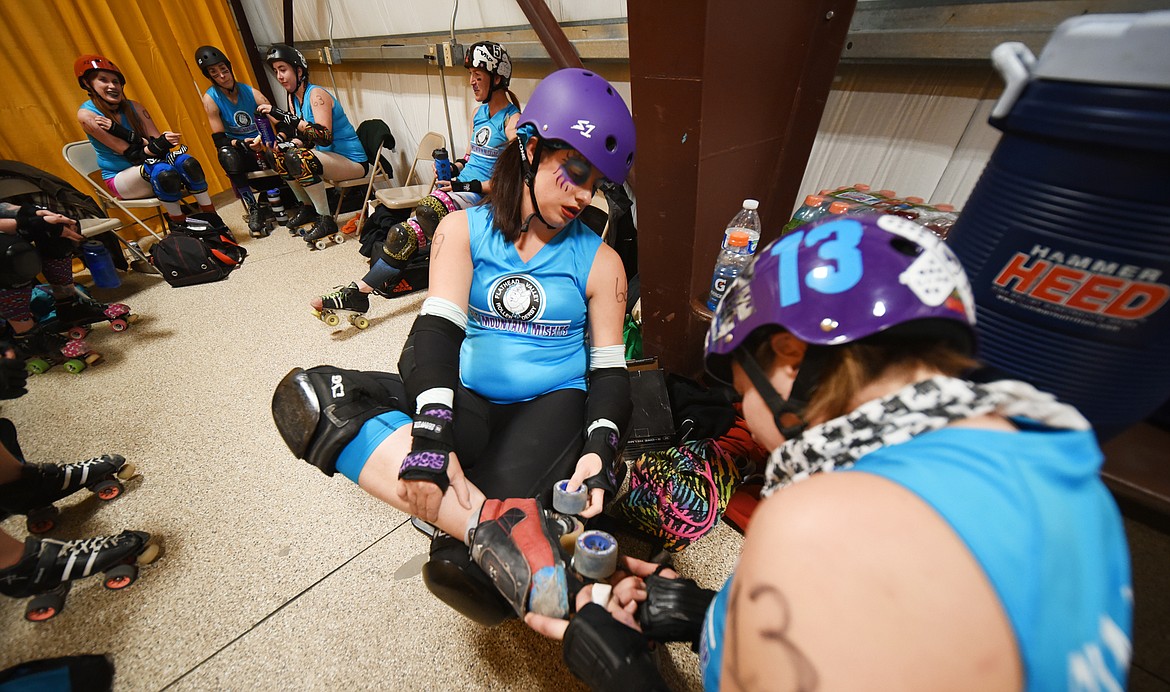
[915, 409]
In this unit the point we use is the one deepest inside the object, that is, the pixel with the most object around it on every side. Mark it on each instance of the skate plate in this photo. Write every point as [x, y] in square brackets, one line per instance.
[333, 317]
[48, 605]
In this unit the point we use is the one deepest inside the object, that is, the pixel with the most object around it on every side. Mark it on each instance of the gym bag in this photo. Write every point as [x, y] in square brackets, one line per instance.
[200, 250]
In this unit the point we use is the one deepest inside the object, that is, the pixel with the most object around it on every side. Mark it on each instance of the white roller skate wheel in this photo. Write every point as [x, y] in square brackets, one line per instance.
[321, 244]
[596, 555]
[339, 238]
[149, 554]
[127, 471]
[567, 502]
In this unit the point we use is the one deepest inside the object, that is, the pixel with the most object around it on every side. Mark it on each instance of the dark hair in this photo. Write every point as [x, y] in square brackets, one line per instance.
[507, 183]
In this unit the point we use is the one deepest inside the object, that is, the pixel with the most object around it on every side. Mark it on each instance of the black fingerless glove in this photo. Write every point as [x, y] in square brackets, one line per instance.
[467, 186]
[158, 146]
[33, 227]
[433, 438]
[13, 376]
[285, 117]
[607, 655]
[603, 442]
[674, 610]
[136, 153]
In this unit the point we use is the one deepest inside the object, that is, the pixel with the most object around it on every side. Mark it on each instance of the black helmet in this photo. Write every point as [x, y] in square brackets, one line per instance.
[206, 56]
[285, 53]
[492, 58]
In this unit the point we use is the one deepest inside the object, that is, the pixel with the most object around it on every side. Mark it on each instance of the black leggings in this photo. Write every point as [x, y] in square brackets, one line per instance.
[519, 450]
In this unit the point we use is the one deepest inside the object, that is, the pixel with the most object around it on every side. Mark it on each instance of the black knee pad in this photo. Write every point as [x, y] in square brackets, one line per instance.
[320, 410]
[400, 245]
[429, 212]
[235, 161]
[164, 180]
[9, 439]
[19, 261]
[303, 166]
[194, 179]
[460, 583]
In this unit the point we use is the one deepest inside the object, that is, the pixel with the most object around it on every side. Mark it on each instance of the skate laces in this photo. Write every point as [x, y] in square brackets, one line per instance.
[81, 546]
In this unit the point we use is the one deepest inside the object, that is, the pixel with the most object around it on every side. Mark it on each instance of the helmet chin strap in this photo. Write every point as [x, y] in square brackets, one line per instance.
[807, 376]
[530, 182]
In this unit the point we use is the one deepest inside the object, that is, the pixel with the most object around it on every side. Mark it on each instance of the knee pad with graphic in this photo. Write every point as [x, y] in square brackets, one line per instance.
[303, 166]
[19, 261]
[460, 583]
[403, 241]
[164, 180]
[191, 171]
[320, 410]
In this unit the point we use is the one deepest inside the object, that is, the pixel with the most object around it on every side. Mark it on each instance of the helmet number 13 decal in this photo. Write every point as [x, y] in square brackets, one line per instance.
[836, 242]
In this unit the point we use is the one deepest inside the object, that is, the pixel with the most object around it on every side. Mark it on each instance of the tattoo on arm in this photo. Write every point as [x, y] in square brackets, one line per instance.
[620, 292]
[436, 245]
[768, 604]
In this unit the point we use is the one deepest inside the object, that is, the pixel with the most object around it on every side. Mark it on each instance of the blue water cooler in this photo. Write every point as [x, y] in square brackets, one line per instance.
[1066, 236]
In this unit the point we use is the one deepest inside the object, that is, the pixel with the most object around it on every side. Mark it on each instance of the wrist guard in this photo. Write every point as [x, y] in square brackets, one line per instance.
[32, 227]
[124, 133]
[467, 186]
[158, 147]
[286, 131]
[221, 139]
[607, 655]
[603, 442]
[674, 610]
[431, 445]
[284, 117]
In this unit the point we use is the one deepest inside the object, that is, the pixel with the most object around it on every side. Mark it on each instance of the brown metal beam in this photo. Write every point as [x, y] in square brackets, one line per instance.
[253, 51]
[727, 99]
[550, 33]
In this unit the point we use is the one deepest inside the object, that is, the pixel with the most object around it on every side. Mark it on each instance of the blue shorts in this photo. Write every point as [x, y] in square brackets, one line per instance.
[374, 432]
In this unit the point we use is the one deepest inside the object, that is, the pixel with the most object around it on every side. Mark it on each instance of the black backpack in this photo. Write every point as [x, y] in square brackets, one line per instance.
[199, 251]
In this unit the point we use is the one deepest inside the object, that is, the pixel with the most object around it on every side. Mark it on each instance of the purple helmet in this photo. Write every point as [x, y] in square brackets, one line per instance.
[842, 279]
[583, 110]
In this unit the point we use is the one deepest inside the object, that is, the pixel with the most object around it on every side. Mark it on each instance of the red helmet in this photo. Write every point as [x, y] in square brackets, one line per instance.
[88, 63]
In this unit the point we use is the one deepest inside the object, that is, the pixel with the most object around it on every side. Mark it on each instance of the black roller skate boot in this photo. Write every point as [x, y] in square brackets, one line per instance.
[40, 485]
[41, 349]
[75, 315]
[323, 233]
[261, 219]
[48, 568]
[304, 216]
[345, 301]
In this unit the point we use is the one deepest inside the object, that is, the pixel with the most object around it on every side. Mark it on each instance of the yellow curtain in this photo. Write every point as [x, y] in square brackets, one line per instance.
[153, 42]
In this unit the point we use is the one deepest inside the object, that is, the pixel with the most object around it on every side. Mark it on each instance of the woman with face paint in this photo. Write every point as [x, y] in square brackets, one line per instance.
[514, 374]
[137, 160]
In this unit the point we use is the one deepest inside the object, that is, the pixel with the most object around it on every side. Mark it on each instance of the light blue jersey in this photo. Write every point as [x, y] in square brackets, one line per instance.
[1031, 508]
[345, 139]
[111, 162]
[526, 321]
[239, 118]
[488, 138]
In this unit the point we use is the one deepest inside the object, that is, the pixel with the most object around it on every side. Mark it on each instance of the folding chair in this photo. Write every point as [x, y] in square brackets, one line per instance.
[377, 173]
[82, 157]
[413, 189]
[88, 227]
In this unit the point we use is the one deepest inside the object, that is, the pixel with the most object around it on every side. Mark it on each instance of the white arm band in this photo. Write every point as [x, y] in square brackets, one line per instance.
[441, 307]
[606, 356]
[435, 395]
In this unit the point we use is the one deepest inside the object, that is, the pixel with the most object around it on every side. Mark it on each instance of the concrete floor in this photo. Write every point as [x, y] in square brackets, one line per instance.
[274, 576]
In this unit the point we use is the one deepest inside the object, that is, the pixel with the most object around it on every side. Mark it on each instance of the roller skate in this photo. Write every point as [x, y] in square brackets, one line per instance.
[304, 216]
[74, 316]
[323, 233]
[518, 547]
[347, 301]
[261, 219]
[40, 485]
[41, 349]
[49, 567]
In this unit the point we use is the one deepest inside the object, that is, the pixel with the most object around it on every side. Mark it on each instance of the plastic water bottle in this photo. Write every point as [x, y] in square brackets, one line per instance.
[442, 164]
[101, 266]
[267, 134]
[733, 259]
[812, 209]
[748, 221]
[277, 205]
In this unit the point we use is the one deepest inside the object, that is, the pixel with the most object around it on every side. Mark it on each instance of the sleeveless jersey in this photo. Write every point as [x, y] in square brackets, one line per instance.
[1032, 510]
[111, 162]
[239, 119]
[345, 139]
[488, 138]
[526, 322]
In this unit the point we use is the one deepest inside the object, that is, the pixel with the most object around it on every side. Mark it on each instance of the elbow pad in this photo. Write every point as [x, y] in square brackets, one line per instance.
[430, 357]
[607, 655]
[316, 135]
[221, 139]
[135, 153]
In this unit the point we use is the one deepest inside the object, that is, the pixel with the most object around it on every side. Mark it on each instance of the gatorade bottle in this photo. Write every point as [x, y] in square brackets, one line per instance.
[748, 221]
[733, 259]
[101, 266]
[442, 164]
[811, 210]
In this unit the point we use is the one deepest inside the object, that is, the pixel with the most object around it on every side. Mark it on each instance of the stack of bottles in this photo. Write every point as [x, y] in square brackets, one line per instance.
[859, 199]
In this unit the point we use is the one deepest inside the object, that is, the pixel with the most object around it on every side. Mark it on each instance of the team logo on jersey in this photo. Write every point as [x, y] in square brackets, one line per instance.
[517, 297]
[482, 135]
[243, 120]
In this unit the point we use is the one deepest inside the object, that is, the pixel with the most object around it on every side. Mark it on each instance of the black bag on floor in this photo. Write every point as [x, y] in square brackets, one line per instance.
[199, 251]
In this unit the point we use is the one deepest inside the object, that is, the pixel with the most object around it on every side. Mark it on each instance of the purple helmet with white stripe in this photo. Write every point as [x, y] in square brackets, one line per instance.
[842, 279]
[583, 110]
